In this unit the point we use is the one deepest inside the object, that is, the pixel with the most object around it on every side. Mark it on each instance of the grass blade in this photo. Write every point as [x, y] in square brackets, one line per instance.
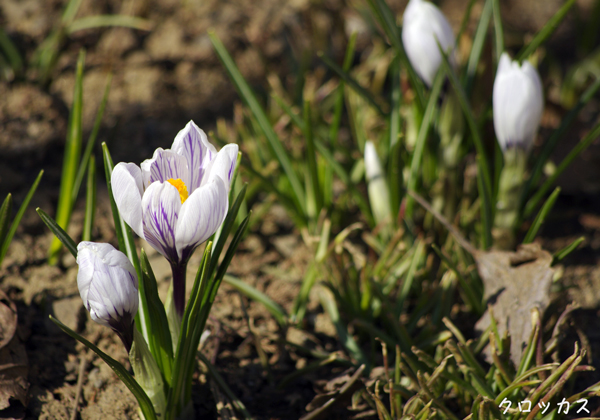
[477, 48]
[101, 21]
[11, 53]
[499, 32]
[313, 170]
[546, 31]
[15, 224]
[63, 236]
[581, 146]
[270, 305]
[70, 161]
[5, 213]
[541, 217]
[90, 201]
[415, 164]
[248, 96]
[563, 253]
[118, 368]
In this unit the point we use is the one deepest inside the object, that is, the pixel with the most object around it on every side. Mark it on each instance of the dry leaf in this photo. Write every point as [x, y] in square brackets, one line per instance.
[514, 284]
[13, 363]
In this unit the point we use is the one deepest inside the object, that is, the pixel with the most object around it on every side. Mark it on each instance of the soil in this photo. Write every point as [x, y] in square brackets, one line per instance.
[162, 78]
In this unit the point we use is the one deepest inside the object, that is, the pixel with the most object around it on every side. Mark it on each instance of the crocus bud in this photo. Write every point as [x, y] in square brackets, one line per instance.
[423, 24]
[108, 286]
[379, 195]
[518, 104]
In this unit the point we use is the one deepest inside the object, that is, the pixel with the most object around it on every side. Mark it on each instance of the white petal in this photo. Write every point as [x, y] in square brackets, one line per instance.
[201, 215]
[223, 165]
[372, 162]
[107, 282]
[192, 143]
[160, 207]
[424, 25]
[126, 184]
[165, 165]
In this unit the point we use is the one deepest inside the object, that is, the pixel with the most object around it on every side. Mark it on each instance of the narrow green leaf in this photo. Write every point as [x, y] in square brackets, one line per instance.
[63, 236]
[354, 85]
[89, 148]
[90, 201]
[541, 216]
[126, 243]
[101, 21]
[552, 142]
[118, 368]
[546, 31]
[487, 212]
[417, 157]
[159, 341]
[235, 401]
[498, 29]
[17, 220]
[311, 161]
[11, 53]
[5, 213]
[261, 118]
[70, 11]
[70, 160]
[465, 20]
[477, 46]
[270, 305]
[581, 146]
[563, 253]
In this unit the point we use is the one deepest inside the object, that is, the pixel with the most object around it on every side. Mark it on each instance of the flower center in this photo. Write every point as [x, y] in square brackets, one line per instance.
[178, 183]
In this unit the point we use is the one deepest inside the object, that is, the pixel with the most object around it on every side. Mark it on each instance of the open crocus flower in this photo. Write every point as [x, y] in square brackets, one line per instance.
[179, 198]
[518, 103]
[108, 286]
[423, 24]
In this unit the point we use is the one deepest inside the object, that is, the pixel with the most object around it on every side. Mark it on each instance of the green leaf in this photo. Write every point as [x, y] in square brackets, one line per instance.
[11, 53]
[477, 47]
[417, 157]
[101, 21]
[541, 217]
[118, 368]
[126, 243]
[353, 84]
[159, 341]
[5, 213]
[270, 305]
[17, 220]
[83, 165]
[498, 29]
[311, 161]
[90, 201]
[581, 146]
[70, 160]
[261, 118]
[62, 236]
[546, 31]
[563, 253]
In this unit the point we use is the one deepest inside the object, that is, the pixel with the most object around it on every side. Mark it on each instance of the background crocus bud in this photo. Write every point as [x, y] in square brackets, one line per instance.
[423, 23]
[108, 286]
[518, 104]
[379, 195]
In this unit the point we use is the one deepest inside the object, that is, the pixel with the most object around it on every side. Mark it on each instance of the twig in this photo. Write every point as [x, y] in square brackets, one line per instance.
[82, 367]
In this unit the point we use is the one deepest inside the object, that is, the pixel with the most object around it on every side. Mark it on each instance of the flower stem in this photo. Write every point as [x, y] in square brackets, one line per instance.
[178, 271]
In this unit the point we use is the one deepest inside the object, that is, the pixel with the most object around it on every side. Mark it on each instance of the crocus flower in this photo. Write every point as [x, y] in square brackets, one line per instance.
[108, 286]
[377, 186]
[423, 24]
[518, 103]
[179, 198]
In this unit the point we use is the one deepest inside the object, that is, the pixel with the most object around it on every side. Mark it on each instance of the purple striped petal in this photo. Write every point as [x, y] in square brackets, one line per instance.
[126, 184]
[192, 143]
[165, 165]
[224, 165]
[200, 216]
[160, 207]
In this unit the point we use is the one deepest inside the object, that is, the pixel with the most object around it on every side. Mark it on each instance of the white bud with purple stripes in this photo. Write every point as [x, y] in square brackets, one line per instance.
[108, 286]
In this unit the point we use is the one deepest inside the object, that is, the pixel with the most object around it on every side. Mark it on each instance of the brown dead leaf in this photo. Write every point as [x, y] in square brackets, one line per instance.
[13, 363]
[514, 284]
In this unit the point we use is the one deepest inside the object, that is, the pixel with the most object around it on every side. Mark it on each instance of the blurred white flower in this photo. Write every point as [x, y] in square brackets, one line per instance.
[518, 103]
[379, 195]
[180, 197]
[108, 286]
[423, 23]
